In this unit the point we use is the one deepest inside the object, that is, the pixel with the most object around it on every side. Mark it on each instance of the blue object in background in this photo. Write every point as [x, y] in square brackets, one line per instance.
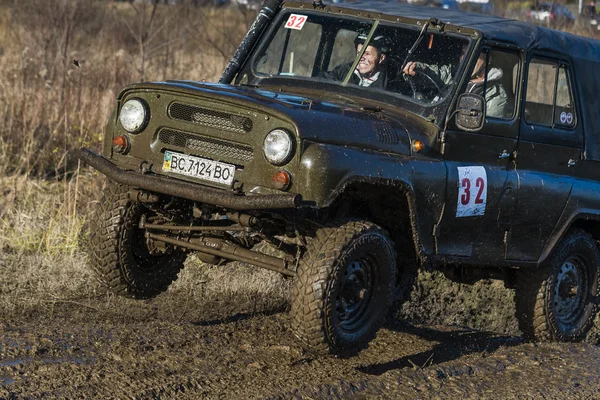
[450, 5]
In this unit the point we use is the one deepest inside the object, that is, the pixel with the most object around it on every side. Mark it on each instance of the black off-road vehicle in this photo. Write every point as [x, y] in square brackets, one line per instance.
[365, 142]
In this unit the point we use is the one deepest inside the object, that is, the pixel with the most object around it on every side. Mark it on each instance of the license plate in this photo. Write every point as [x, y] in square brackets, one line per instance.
[198, 167]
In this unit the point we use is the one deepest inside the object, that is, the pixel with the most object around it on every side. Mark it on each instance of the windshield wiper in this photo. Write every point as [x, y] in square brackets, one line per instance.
[431, 21]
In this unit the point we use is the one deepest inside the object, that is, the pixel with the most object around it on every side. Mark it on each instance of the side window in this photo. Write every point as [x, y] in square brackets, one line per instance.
[564, 111]
[549, 99]
[284, 43]
[496, 74]
[541, 81]
[343, 48]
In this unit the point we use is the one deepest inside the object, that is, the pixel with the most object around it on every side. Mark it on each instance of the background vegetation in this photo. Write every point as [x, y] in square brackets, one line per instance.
[62, 63]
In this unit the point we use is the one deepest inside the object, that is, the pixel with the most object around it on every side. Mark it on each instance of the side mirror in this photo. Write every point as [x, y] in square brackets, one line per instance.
[470, 112]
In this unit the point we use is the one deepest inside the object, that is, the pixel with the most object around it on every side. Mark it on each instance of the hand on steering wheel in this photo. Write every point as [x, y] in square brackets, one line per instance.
[411, 73]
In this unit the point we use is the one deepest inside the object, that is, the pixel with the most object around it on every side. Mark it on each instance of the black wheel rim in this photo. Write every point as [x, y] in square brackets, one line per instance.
[139, 251]
[570, 294]
[356, 294]
[139, 246]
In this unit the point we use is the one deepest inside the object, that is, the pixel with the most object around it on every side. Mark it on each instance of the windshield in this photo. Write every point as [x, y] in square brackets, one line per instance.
[367, 54]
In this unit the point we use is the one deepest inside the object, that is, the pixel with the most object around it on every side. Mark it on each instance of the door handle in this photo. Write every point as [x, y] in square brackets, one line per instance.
[504, 154]
[570, 163]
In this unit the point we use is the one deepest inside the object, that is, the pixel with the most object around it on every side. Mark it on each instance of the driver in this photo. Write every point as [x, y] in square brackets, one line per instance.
[371, 70]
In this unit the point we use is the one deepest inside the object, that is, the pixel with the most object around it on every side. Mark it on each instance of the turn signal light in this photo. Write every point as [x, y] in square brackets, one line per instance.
[120, 144]
[281, 180]
[418, 145]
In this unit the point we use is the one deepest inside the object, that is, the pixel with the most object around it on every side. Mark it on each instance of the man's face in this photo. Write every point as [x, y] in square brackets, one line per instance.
[370, 59]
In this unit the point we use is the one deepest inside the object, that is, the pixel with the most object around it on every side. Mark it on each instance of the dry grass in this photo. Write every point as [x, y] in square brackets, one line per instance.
[61, 67]
[40, 216]
[43, 263]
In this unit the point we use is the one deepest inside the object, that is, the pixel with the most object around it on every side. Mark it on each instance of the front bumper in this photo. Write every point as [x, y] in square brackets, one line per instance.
[186, 190]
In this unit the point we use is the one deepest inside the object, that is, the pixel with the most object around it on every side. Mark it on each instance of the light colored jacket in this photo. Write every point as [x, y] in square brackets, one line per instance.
[496, 99]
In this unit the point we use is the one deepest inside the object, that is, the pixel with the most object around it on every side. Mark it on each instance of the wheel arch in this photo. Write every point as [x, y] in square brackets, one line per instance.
[588, 221]
[390, 204]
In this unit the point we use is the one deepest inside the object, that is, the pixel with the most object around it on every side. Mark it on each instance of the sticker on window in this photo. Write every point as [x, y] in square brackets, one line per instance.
[296, 21]
[472, 192]
[566, 118]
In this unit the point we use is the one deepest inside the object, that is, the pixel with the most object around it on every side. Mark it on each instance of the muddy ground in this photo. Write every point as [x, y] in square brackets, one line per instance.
[99, 346]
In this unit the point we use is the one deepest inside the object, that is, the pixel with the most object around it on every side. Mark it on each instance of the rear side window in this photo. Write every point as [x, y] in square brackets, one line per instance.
[549, 98]
[343, 48]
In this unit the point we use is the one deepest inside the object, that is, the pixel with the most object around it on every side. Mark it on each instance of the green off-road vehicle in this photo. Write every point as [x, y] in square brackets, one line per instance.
[362, 143]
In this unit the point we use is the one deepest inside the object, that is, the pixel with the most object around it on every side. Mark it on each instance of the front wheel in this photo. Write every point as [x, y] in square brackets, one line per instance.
[558, 302]
[344, 284]
[119, 253]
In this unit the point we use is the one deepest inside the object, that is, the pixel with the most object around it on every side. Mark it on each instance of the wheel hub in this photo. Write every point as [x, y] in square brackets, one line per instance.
[568, 296]
[354, 294]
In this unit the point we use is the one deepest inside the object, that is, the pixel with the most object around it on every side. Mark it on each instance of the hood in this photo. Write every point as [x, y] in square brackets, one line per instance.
[318, 115]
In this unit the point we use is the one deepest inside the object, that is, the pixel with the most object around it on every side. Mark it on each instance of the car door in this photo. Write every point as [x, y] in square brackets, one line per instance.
[481, 189]
[550, 145]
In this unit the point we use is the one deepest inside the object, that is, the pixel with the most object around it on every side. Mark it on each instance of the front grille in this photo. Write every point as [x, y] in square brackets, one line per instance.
[206, 146]
[212, 118]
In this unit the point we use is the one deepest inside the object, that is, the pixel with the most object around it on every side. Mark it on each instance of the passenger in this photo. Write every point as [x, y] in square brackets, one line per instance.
[495, 94]
[496, 98]
[371, 70]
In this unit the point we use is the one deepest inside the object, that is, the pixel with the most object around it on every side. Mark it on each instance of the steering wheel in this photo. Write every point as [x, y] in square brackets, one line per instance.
[431, 89]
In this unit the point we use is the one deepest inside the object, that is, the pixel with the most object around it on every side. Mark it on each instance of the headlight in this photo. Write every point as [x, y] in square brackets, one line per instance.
[134, 115]
[278, 147]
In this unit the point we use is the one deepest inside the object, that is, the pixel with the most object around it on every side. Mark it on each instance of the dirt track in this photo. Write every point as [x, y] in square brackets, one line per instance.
[163, 348]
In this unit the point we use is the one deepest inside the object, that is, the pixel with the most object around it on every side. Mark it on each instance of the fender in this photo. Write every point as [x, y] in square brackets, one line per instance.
[336, 167]
[581, 209]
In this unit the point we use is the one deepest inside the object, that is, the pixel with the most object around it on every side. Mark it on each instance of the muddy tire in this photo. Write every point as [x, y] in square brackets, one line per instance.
[345, 280]
[118, 251]
[558, 301]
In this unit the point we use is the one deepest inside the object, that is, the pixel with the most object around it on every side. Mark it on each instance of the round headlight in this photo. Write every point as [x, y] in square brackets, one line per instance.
[134, 115]
[278, 147]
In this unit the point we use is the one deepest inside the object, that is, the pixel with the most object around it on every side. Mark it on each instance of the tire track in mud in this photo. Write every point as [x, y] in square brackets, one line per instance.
[168, 348]
[526, 371]
[255, 356]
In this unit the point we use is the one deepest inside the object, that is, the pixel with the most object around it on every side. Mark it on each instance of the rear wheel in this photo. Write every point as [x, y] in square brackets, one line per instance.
[119, 252]
[558, 302]
[344, 284]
